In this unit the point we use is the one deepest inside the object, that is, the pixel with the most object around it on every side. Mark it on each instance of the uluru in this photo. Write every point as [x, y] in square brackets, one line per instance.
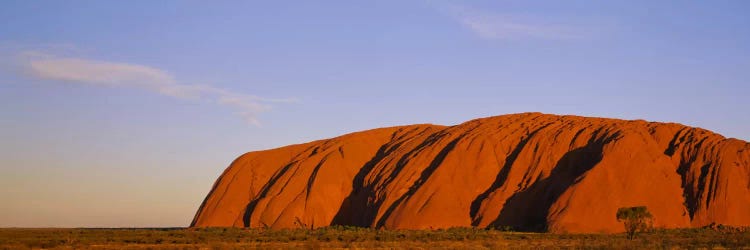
[528, 172]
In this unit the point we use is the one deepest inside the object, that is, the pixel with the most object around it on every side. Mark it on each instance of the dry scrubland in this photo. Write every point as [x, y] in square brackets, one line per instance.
[347, 237]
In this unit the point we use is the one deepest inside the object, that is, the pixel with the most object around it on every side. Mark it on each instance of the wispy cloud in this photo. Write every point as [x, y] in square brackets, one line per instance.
[503, 26]
[126, 75]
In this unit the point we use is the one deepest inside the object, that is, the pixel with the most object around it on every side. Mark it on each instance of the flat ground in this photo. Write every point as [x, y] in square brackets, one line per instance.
[345, 237]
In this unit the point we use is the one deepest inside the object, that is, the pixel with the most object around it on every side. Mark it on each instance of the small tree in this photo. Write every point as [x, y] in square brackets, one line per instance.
[636, 219]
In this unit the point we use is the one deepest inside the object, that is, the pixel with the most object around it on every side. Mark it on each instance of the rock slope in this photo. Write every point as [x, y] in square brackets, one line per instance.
[530, 172]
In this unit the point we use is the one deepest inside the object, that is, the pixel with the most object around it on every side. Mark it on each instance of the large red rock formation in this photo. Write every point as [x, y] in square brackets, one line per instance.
[528, 171]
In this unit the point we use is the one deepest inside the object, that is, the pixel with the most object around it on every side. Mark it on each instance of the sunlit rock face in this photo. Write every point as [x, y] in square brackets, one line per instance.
[530, 172]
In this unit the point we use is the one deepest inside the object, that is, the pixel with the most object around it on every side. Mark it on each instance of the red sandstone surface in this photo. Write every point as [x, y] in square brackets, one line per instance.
[530, 171]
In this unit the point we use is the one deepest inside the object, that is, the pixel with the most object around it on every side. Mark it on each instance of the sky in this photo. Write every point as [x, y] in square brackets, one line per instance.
[123, 113]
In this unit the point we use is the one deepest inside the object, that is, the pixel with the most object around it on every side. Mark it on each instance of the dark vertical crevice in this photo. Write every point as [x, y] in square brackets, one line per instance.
[355, 208]
[527, 210]
[426, 173]
[502, 175]
[263, 193]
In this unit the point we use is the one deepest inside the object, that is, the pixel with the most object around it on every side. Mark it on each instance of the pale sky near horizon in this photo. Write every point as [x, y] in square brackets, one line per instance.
[123, 113]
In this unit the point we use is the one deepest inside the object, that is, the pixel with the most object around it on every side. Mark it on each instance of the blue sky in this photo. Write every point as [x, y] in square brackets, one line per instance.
[123, 113]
